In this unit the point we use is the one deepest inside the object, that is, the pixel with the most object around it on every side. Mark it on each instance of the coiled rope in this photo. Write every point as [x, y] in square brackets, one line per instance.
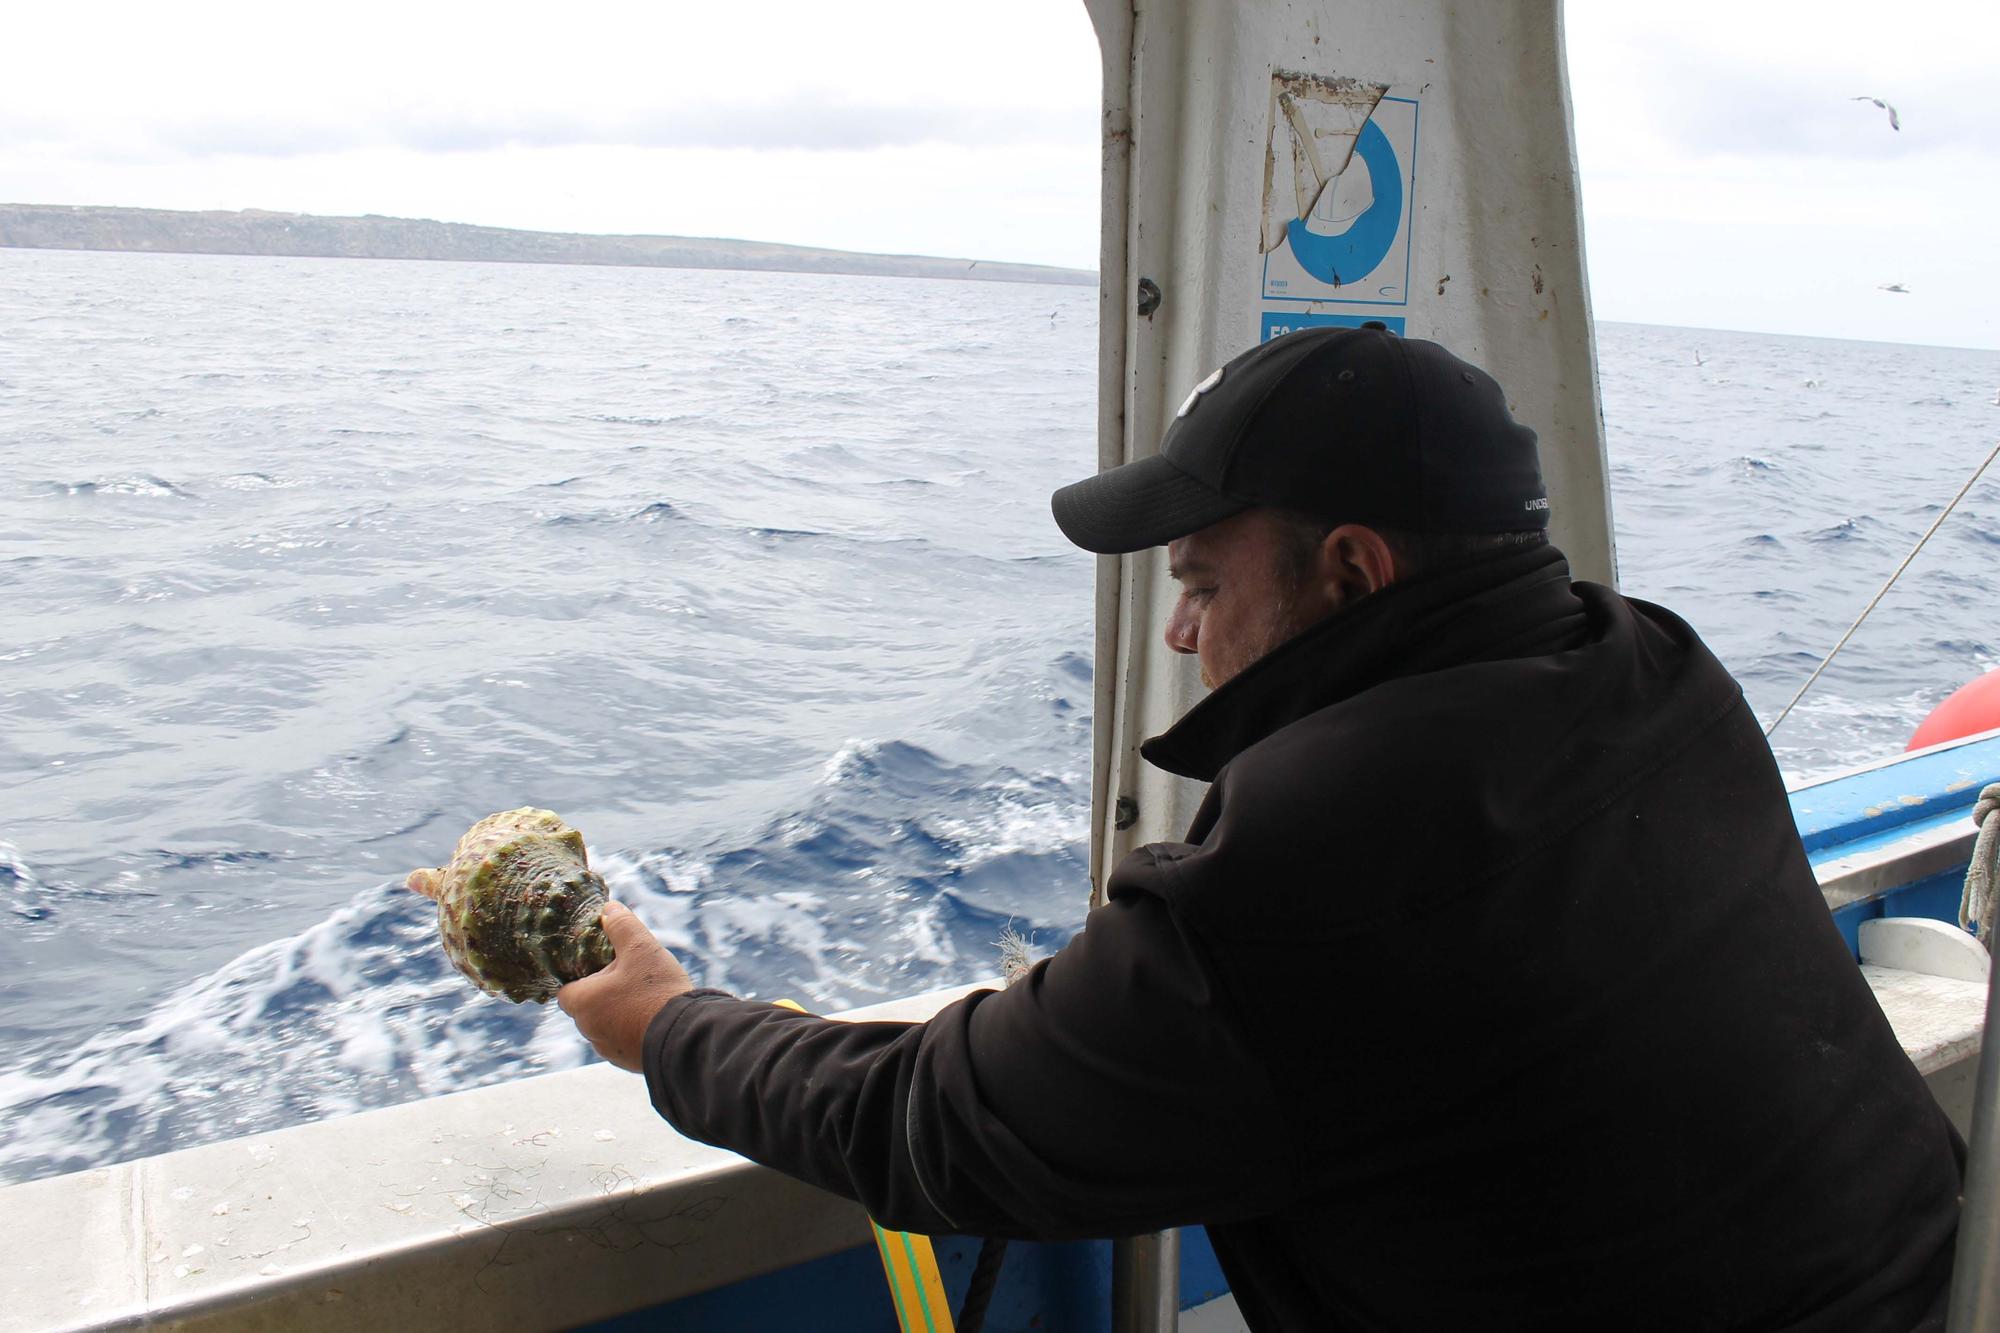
[1977, 473]
[1975, 909]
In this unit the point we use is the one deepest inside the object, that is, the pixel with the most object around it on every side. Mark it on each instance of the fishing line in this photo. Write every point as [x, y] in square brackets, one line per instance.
[1977, 473]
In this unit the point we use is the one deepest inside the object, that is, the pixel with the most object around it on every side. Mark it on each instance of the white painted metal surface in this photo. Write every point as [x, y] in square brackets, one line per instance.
[539, 1204]
[1939, 1021]
[1217, 1316]
[1930, 948]
[1975, 1279]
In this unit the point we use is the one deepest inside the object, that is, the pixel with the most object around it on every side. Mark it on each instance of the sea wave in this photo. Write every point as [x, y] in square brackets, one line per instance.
[838, 903]
[143, 484]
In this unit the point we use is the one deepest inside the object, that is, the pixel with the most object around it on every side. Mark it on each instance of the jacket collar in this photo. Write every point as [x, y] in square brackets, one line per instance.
[1518, 605]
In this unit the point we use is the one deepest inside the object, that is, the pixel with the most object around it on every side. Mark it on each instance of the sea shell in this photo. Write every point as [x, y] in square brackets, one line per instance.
[518, 905]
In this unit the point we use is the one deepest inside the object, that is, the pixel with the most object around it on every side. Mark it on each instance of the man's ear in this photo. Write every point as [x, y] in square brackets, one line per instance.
[1355, 561]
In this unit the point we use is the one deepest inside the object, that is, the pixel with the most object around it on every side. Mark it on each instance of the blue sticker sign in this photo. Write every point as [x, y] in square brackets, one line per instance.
[1277, 323]
[1352, 247]
[1364, 244]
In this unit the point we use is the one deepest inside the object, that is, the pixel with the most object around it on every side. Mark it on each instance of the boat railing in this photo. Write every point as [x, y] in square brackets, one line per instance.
[548, 1202]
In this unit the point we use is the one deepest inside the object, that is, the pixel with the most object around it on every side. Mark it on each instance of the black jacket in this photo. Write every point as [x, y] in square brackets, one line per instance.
[1490, 989]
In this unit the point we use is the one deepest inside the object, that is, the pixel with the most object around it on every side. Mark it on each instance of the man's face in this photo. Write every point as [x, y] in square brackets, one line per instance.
[1242, 594]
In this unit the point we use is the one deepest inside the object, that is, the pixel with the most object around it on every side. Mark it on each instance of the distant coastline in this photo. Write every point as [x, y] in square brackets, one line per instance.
[257, 232]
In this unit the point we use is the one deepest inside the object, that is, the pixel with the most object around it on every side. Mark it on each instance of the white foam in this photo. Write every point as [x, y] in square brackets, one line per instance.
[313, 1025]
[25, 879]
[257, 481]
[1023, 817]
[366, 1046]
[924, 936]
[846, 761]
[133, 485]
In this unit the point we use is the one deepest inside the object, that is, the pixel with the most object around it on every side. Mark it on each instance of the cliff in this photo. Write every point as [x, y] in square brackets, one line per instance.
[255, 232]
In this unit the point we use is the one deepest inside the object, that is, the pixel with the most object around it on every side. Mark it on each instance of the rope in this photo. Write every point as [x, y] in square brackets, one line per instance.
[1976, 907]
[1017, 959]
[985, 1276]
[1978, 472]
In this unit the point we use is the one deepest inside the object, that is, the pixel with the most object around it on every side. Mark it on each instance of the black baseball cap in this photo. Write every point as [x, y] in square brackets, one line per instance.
[1349, 425]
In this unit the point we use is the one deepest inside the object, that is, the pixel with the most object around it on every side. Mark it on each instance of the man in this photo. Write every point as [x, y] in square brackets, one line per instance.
[1490, 987]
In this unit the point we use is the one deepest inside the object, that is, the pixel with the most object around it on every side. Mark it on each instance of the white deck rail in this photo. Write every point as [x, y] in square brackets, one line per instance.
[543, 1203]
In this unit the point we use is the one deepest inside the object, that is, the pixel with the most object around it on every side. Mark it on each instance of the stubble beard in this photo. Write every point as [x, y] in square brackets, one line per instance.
[1281, 625]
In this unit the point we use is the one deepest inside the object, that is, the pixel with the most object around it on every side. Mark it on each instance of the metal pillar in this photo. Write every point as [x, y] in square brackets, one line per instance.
[1975, 1281]
[1146, 1283]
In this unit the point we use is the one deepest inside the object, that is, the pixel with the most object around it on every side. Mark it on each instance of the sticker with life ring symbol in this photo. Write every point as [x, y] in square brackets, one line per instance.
[1352, 246]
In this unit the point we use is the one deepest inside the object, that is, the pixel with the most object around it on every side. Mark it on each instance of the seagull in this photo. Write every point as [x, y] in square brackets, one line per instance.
[1892, 287]
[1894, 122]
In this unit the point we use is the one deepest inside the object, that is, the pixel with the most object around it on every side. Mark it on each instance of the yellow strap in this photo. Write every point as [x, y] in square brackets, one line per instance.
[914, 1280]
[910, 1263]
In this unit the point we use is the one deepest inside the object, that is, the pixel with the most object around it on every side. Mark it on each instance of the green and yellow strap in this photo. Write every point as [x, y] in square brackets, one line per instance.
[914, 1281]
[911, 1266]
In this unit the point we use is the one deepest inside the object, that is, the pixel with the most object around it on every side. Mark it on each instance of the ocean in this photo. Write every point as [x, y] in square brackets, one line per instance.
[306, 564]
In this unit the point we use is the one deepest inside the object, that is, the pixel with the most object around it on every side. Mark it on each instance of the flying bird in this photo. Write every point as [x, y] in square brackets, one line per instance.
[1892, 287]
[1895, 123]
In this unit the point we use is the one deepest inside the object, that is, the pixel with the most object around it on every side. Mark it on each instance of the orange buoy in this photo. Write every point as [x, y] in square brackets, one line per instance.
[1973, 707]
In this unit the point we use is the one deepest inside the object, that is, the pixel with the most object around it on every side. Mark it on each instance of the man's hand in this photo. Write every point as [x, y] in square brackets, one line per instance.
[612, 1008]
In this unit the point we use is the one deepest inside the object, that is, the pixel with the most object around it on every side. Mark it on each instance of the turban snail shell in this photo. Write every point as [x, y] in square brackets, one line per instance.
[518, 905]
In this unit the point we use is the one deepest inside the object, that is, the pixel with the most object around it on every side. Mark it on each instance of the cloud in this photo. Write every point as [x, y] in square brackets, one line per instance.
[1689, 96]
[798, 123]
[1817, 115]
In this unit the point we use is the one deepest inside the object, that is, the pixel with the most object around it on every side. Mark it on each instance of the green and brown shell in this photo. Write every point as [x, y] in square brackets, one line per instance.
[518, 905]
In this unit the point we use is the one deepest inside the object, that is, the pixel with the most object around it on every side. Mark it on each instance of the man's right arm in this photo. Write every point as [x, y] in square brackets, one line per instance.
[1107, 1093]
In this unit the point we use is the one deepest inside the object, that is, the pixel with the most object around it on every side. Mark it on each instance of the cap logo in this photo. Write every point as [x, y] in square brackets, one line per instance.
[1187, 406]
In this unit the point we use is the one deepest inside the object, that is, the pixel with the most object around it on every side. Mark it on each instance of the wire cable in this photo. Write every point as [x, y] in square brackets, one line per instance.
[1978, 472]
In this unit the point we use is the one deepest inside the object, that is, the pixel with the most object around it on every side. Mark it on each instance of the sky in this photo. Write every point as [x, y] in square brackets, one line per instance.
[1729, 179]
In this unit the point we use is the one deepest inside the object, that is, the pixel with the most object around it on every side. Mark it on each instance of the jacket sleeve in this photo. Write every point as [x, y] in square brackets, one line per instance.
[1104, 1094]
